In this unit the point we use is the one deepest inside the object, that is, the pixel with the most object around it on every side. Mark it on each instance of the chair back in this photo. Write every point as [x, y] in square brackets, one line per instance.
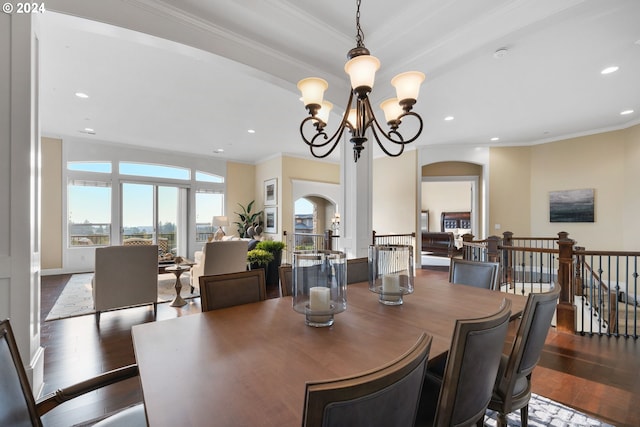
[357, 270]
[225, 257]
[387, 396]
[227, 290]
[125, 276]
[17, 407]
[470, 371]
[528, 342]
[285, 271]
[474, 273]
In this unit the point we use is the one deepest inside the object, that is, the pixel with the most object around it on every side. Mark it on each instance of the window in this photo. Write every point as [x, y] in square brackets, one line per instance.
[101, 167]
[208, 177]
[154, 171]
[89, 207]
[208, 205]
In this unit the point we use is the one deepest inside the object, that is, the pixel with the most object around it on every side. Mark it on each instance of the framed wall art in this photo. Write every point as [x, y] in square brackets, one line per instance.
[271, 192]
[271, 219]
[572, 206]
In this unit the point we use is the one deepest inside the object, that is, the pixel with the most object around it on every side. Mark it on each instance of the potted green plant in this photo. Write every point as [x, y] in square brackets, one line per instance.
[247, 219]
[274, 247]
[259, 258]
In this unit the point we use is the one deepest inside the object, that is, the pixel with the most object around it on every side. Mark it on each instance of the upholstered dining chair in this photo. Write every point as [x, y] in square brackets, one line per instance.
[474, 273]
[226, 290]
[459, 396]
[512, 389]
[285, 273]
[18, 406]
[382, 397]
[357, 270]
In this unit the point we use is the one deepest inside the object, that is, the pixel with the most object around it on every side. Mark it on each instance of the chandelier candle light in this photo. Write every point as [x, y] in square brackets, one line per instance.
[361, 68]
[391, 272]
[319, 285]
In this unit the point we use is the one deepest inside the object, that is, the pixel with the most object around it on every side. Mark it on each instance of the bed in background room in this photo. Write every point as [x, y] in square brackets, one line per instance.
[448, 241]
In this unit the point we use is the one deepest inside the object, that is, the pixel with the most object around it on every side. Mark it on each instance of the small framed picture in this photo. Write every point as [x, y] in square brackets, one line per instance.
[271, 192]
[271, 220]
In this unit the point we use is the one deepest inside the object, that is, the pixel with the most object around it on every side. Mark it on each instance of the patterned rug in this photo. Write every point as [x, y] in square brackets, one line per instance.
[76, 299]
[545, 412]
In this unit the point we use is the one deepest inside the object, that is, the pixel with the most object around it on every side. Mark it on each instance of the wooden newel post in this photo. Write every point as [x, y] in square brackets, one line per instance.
[493, 255]
[566, 312]
[328, 240]
[507, 257]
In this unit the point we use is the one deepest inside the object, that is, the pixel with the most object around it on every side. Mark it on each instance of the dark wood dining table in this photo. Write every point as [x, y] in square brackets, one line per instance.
[248, 365]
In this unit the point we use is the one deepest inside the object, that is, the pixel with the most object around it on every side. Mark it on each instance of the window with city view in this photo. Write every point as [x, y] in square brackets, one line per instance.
[89, 208]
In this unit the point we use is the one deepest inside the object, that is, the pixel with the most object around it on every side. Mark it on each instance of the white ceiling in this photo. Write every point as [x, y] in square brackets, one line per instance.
[246, 56]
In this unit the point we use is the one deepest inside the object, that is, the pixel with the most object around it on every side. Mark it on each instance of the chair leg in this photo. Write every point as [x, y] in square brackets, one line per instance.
[97, 318]
[502, 419]
[155, 310]
[192, 288]
[524, 416]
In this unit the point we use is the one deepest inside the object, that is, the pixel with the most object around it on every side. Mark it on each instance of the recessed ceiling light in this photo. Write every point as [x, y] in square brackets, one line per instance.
[610, 70]
[625, 112]
[82, 95]
[218, 150]
[88, 131]
[495, 138]
[448, 118]
[251, 131]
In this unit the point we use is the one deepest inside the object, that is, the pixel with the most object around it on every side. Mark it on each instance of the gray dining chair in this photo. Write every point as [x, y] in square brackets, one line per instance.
[387, 396]
[474, 273]
[18, 406]
[512, 389]
[286, 280]
[226, 290]
[459, 395]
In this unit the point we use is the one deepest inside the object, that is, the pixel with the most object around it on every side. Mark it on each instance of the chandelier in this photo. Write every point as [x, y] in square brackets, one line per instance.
[359, 117]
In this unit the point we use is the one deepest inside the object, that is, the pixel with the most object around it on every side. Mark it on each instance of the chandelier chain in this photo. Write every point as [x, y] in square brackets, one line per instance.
[359, 32]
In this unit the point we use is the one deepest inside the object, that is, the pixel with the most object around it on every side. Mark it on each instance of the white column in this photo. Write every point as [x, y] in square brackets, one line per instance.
[356, 217]
[20, 189]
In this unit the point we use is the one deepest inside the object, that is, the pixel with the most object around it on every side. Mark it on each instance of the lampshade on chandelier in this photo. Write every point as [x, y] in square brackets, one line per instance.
[361, 68]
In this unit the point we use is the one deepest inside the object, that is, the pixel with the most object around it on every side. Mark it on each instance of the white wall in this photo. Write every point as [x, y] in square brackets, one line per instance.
[20, 188]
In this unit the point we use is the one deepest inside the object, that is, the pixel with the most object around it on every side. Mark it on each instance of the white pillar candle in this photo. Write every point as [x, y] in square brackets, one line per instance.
[319, 298]
[390, 283]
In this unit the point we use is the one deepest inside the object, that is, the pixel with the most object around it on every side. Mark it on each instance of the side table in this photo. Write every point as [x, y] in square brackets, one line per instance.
[178, 301]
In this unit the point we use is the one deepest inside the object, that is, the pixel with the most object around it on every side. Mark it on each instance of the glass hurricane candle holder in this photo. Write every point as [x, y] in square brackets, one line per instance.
[319, 285]
[391, 272]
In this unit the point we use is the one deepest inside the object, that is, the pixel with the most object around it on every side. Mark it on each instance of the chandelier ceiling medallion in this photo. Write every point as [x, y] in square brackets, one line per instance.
[361, 68]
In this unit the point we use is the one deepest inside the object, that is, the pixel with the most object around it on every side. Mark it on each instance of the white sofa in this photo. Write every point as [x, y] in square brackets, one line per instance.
[219, 257]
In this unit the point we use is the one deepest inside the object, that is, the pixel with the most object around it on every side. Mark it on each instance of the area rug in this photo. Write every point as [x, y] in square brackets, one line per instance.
[546, 412]
[76, 298]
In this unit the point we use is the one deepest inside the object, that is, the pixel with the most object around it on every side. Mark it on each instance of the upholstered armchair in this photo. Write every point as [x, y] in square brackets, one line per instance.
[125, 276]
[219, 257]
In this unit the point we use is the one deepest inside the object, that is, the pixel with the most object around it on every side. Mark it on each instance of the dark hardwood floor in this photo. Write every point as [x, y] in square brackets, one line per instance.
[599, 376]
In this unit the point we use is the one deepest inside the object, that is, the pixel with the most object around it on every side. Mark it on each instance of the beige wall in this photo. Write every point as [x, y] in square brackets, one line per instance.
[52, 202]
[395, 194]
[241, 188]
[449, 196]
[510, 193]
[631, 195]
[294, 168]
[522, 177]
[595, 161]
